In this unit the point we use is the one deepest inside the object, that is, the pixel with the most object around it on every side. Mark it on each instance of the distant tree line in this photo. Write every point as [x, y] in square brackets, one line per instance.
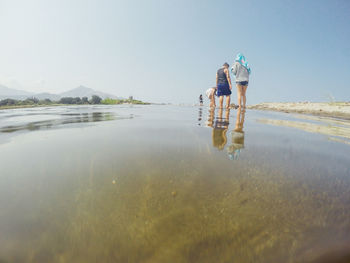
[66, 100]
[77, 100]
[121, 101]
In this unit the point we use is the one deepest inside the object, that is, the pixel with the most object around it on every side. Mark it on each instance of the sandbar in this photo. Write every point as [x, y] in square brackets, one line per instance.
[327, 109]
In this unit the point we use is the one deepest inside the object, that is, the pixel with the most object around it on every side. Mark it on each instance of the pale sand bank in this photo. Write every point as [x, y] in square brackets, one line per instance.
[324, 123]
[334, 130]
[331, 109]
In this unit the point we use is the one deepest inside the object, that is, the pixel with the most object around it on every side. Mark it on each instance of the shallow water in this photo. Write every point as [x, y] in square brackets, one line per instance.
[172, 184]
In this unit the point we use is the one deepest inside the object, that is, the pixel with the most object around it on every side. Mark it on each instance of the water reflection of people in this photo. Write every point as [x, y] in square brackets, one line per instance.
[211, 117]
[220, 129]
[200, 116]
[234, 149]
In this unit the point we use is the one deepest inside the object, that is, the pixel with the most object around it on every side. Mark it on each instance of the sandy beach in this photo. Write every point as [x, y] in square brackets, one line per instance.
[327, 109]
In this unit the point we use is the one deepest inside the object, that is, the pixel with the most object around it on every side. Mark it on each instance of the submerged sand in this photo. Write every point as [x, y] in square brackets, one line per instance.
[157, 185]
[328, 109]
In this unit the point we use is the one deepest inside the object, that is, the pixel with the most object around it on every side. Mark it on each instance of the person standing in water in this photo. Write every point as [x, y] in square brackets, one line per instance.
[241, 70]
[201, 100]
[223, 84]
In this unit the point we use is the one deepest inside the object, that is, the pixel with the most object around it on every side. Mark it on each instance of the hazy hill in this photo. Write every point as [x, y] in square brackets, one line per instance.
[6, 92]
[82, 91]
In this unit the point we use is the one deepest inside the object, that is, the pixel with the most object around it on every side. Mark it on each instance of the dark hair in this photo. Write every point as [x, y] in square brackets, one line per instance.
[226, 65]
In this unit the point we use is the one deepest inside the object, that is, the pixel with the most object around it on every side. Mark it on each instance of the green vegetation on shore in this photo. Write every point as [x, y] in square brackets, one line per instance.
[34, 102]
[109, 101]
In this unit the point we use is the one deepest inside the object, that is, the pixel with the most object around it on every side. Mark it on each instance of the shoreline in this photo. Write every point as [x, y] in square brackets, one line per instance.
[31, 106]
[339, 110]
[60, 105]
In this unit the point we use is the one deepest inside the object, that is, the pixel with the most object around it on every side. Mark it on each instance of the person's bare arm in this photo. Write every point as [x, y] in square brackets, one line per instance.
[234, 69]
[228, 78]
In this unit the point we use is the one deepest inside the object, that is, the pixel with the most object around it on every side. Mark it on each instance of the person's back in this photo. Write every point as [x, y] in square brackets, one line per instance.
[240, 72]
[224, 86]
[222, 79]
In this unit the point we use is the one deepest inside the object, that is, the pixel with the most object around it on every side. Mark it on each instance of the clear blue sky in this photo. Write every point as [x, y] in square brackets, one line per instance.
[169, 50]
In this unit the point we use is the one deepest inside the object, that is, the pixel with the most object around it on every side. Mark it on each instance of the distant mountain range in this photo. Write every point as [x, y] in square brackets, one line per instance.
[6, 92]
[81, 91]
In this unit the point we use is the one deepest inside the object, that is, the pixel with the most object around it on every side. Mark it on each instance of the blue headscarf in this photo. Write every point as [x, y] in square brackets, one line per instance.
[241, 59]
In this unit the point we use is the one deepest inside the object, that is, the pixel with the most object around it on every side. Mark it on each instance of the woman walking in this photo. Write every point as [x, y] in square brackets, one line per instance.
[224, 86]
[241, 70]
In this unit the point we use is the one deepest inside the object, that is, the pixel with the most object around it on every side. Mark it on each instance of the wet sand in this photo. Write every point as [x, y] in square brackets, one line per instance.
[327, 109]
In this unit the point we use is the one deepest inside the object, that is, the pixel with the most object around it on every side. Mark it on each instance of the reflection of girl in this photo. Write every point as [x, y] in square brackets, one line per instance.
[237, 136]
[241, 70]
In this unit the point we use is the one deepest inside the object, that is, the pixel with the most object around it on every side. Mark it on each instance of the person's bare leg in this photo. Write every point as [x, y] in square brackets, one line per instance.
[244, 89]
[213, 100]
[239, 94]
[228, 100]
[221, 100]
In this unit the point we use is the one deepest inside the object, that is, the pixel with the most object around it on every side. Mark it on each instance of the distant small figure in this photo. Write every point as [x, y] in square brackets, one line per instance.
[223, 82]
[201, 100]
[241, 70]
[211, 95]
